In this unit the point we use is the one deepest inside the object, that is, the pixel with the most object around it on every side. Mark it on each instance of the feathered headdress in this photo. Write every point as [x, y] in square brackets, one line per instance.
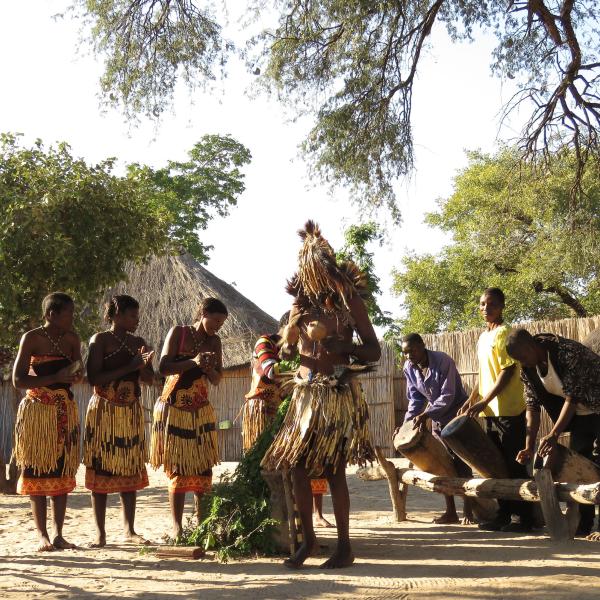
[321, 280]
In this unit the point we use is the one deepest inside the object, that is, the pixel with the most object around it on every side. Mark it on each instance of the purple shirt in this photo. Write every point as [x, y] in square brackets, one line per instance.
[442, 388]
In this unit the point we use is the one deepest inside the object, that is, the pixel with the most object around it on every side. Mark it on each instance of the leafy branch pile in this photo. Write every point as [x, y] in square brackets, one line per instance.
[237, 512]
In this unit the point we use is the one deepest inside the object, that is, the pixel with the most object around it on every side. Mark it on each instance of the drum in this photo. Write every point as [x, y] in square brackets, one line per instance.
[468, 440]
[568, 466]
[425, 451]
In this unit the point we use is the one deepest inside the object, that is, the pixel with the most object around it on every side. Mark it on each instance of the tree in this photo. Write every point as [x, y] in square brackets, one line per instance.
[356, 239]
[517, 232]
[66, 225]
[148, 45]
[192, 192]
[356, 62]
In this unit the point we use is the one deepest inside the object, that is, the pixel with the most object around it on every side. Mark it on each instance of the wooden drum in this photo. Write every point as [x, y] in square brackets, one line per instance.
[469, 441]
[424, 451]
[568, 466]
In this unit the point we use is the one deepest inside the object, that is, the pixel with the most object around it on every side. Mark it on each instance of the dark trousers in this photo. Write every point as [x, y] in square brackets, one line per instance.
[508, 433]
[585, 438]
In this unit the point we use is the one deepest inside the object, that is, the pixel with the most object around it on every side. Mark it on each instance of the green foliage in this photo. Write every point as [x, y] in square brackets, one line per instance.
[191, 192]
[238, 510]
[149, 45]
[356, 240]
[66, 225]
[353, 64]
[514, 227]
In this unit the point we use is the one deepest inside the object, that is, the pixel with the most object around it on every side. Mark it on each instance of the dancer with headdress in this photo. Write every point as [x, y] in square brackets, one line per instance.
[326, 426]
[47, 427]
[184, 437]
[115, 443]
[263, 400]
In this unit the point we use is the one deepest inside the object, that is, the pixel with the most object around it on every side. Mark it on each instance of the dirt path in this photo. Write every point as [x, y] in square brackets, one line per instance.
[414, 559]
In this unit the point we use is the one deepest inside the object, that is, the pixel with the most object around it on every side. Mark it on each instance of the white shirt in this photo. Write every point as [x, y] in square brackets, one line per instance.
[553, 385]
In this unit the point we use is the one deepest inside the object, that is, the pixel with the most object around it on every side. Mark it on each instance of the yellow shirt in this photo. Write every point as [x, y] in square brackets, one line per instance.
[493, 358]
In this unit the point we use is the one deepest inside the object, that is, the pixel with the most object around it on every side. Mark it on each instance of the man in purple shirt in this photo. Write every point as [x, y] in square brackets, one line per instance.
[434, 391]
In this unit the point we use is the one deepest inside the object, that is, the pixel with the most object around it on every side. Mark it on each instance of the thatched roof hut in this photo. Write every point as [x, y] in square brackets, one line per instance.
[169, 289]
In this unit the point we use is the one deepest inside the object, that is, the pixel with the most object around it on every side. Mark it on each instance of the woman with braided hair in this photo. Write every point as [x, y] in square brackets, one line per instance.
[326, 426]
[114, 445]
[184, 437]
[47, 428]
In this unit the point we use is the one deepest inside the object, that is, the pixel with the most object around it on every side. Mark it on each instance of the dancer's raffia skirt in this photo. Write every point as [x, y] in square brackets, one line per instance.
[184, 443]
[47, 445]
[114, 450]
[326, 424]
[257, 416]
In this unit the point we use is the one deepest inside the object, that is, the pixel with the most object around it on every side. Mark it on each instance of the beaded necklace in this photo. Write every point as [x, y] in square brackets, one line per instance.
[55, 343]
[122, 345]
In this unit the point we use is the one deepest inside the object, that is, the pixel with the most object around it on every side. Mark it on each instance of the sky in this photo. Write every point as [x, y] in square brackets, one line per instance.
[50, 90]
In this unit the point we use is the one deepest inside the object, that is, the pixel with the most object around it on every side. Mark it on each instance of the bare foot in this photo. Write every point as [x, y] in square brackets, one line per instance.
[468, 520]
[45, 544]
[321, 521]
[177, 533]
[306, 549]
[100, 541]
[340, 559]
[134, 538]
[446, 519]
[593, 537]
[61, 544]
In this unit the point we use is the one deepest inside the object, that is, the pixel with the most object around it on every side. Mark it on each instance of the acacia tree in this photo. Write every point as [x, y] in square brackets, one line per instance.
[515, 231]
[356, 62]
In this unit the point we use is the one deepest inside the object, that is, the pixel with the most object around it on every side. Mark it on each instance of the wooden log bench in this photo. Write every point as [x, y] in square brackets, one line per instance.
[540, 489]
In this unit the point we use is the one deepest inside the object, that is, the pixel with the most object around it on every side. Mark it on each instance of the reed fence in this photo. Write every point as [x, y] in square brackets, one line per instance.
[385, 389]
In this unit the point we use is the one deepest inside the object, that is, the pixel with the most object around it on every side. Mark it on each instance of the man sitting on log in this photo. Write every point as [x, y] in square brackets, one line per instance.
[563, 376]
[435, 391]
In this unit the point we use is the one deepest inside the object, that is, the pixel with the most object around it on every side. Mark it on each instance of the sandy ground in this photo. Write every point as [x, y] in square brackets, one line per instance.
[414, 559]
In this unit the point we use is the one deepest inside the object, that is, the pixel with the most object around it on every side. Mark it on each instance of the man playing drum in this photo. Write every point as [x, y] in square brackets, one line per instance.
[502, 404]
[563, 376]
[435, 391]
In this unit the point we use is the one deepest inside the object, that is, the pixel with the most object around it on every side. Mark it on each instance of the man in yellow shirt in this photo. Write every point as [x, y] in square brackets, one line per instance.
[502, 404]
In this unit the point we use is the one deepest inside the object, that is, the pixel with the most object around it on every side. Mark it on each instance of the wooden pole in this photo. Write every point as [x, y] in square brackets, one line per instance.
[509, 489]
[391, 474]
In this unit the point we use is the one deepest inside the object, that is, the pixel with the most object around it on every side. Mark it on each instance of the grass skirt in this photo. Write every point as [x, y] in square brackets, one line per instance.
[114, 450]
[184, 441]
[326, 423]
[257, 415]
[47, 443]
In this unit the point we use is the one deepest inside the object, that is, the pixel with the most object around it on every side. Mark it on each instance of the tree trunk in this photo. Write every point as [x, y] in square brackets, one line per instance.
[565, 296]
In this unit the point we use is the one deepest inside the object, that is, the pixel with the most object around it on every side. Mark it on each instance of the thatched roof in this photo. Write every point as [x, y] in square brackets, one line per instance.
[169, 290]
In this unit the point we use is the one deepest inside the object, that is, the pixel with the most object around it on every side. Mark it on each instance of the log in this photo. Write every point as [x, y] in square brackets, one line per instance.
[294, 525]
[279, 511]
[553, 516]
[509, 489]
[398, 498]
[193, 552]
